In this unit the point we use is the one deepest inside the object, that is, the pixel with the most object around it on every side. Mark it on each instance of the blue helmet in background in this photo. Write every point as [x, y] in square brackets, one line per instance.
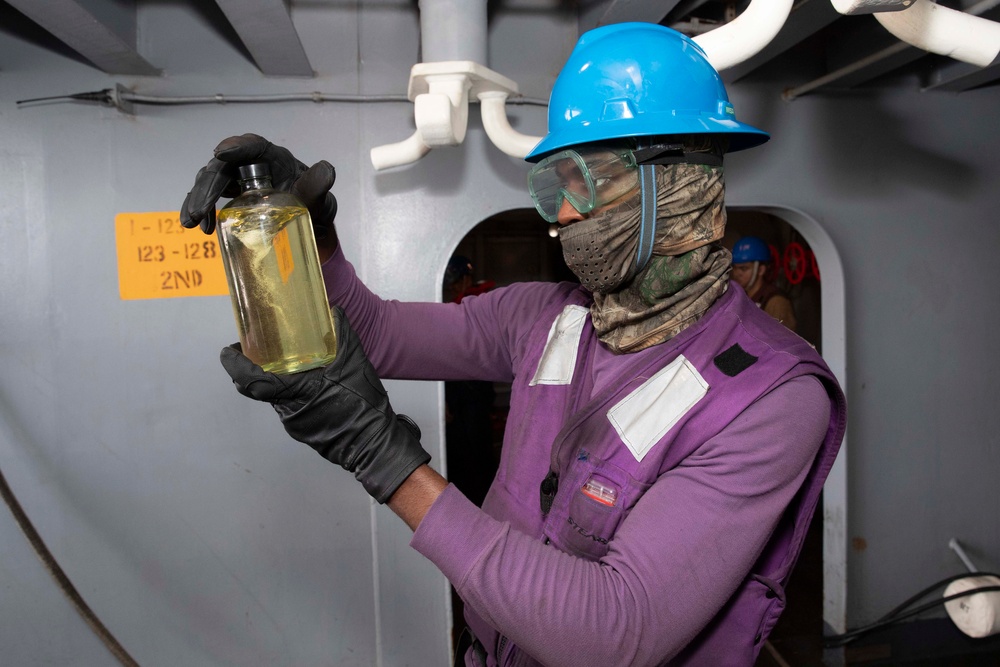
[637, 80]
[751, 249]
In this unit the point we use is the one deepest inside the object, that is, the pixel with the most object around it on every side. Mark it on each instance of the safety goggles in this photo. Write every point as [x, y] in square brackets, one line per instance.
[588, 179]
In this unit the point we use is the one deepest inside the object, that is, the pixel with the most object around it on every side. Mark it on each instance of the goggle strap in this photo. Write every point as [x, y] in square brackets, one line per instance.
[647, 228]
[674, 154]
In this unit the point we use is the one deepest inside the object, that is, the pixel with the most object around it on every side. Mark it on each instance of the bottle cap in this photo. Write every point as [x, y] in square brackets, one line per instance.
[252, 171]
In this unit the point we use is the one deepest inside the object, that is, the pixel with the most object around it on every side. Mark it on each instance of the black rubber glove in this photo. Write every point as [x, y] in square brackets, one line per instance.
[342, 411]
[219, 178]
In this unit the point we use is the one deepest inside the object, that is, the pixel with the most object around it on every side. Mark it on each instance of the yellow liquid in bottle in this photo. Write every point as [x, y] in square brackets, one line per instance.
[279, 299]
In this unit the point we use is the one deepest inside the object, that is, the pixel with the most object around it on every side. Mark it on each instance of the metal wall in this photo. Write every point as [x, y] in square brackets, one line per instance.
[904, 184]
[202, 535]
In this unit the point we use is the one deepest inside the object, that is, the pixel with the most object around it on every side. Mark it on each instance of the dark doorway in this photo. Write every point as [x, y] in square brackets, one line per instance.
[794, 271]
[517, 246]
[514, 246]
[796, 641]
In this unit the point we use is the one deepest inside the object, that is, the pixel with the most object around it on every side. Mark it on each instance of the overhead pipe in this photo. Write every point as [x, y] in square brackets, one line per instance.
[947, 32]
[858, 65]
[746, 35]
[931, 27]
[452, 30]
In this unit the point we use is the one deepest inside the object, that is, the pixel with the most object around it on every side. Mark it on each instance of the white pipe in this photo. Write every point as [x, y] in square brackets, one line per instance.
[400, 153]
[947, 32]
[453, 30]
[746, 35]
[494, 112]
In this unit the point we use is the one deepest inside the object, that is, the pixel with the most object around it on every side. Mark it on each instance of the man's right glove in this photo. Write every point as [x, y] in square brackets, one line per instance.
[219, 178]
[342, 411]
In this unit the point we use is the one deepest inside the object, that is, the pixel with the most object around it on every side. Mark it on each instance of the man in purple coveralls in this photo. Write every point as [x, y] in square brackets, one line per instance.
[667, 441]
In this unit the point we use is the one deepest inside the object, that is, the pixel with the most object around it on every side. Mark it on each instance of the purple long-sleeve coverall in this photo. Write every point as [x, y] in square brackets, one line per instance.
[709, 451]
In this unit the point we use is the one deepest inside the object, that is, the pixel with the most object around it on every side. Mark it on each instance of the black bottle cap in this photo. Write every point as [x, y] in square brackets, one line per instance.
[255, 171]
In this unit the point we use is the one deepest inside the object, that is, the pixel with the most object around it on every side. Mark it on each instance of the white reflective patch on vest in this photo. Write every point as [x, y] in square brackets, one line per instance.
[559, 357]
[645, 415]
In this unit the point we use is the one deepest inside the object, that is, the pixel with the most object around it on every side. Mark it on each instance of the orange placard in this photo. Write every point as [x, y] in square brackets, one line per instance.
[158, 259]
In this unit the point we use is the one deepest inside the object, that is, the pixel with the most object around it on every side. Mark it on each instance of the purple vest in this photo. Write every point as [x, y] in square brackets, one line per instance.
[613, 444]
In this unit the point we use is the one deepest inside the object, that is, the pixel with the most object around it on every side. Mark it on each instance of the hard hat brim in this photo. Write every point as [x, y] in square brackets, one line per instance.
[741, 136]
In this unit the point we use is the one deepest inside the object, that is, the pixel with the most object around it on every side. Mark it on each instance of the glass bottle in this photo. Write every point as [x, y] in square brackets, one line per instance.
[273, 270]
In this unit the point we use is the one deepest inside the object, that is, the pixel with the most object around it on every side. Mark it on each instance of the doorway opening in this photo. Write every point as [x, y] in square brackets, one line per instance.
[792, 272]
[516, 246]
[512, 246]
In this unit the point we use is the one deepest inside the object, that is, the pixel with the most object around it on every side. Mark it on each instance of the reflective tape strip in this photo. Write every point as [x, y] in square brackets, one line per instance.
[558, 360]
[644, 416]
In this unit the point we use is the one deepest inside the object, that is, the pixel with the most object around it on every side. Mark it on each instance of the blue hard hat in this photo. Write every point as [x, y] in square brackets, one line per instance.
[639, 80]
[751, 249]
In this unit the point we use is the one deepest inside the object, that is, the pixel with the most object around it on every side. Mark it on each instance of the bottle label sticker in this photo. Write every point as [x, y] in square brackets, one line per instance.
[283, 253]
[157, 258]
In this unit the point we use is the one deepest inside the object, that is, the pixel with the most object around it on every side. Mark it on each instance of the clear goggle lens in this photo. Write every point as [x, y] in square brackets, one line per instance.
[588, 179]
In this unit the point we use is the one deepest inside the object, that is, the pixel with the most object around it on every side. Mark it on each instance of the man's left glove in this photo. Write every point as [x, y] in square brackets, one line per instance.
[219, 179]
[342, 411]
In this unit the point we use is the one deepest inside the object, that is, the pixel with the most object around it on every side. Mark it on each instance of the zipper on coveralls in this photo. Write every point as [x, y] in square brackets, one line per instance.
[501, 645]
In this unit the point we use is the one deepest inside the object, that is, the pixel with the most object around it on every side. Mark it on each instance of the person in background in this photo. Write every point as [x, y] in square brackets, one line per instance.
[753, 269]
[667, 440]
[458, 281]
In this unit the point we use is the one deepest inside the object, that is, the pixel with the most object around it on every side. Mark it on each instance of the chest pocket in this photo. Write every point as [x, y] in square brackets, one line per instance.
[594, 498]
[595, 492]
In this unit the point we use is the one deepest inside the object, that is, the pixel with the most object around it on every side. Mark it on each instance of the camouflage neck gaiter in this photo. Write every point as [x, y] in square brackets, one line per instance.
[688, 270]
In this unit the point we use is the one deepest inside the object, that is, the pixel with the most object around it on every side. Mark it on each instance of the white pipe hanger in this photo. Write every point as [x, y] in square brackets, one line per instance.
[454, 44]
[441, 93]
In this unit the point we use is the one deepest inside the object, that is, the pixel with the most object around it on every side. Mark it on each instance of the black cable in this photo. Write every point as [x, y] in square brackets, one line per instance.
[896, 615]
[67, 587]
[849, 636]
[102, 96]
[932, 588]
[111, 97]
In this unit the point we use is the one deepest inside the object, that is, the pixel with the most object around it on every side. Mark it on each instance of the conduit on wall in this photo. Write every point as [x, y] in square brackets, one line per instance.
[454, 46]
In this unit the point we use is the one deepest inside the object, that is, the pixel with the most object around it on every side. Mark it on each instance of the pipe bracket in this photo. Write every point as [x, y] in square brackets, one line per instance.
[441, 93]
[853, 7]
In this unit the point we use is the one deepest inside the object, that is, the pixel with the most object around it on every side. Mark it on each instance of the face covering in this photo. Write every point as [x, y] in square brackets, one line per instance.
[686, 274]
[601, 249]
